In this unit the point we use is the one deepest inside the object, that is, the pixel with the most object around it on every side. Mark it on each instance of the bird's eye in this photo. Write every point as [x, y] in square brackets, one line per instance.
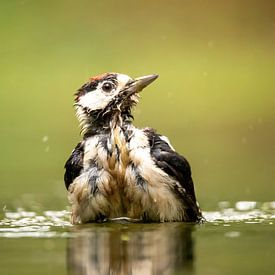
[107, 87]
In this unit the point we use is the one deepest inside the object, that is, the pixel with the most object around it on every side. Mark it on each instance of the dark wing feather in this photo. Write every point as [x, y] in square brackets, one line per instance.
[177, 167]
[74, 164]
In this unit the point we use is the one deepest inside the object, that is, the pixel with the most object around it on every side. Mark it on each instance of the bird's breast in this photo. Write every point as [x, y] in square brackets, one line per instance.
[118, 154]
[110, 153]
[120, 172]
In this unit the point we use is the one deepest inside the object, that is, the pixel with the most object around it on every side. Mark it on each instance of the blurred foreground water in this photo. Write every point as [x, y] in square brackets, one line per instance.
[236, 239]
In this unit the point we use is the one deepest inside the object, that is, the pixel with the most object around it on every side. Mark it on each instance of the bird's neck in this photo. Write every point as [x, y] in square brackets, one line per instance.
[94, 124]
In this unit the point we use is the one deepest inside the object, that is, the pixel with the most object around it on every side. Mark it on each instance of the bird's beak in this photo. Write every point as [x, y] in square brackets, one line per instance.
[140, 83]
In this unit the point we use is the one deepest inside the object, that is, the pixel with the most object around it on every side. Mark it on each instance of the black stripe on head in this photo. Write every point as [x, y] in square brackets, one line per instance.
[110, 76]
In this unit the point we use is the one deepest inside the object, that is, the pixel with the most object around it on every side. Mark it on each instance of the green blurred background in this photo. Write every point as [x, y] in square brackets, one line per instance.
[214, 98]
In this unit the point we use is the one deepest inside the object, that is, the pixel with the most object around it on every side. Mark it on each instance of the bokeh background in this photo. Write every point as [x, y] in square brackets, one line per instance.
[215, 98]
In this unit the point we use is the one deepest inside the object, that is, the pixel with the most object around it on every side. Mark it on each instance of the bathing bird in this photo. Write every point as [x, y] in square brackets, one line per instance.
[118, 170]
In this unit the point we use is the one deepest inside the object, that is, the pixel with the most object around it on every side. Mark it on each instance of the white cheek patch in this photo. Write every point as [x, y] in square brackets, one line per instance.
[95, 100]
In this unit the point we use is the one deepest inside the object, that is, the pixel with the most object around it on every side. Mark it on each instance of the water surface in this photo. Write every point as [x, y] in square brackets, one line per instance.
[234, 240]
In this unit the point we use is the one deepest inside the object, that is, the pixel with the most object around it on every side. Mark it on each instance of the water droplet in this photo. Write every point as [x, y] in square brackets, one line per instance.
[45, 139]
[232, 234]
[245, 205]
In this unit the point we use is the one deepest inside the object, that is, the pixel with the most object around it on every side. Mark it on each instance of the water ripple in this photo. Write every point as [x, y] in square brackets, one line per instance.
[56, 224]
[242, 211]
[23, 223]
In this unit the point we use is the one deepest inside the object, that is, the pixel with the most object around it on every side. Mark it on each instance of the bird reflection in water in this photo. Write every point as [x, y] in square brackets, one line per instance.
[127, 248]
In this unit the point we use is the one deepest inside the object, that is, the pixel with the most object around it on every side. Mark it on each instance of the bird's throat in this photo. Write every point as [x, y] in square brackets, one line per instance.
[93, 123]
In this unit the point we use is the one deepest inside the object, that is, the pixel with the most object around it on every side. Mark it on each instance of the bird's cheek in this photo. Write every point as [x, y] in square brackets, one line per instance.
[94, 101]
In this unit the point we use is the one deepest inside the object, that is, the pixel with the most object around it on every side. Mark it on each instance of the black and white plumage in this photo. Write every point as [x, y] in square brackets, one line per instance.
[118, 170]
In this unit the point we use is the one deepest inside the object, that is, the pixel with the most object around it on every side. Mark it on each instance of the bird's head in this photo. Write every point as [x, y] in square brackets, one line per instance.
[107, 96]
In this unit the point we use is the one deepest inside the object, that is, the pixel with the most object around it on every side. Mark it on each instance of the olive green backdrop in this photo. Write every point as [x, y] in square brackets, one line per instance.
[214, 98]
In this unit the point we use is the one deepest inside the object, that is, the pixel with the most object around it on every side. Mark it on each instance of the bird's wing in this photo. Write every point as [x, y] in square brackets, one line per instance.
[178, 168]
[74, 164]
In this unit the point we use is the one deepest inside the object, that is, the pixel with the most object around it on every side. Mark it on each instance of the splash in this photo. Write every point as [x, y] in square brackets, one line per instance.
[242, 212]
[23, 223]
[56, 224]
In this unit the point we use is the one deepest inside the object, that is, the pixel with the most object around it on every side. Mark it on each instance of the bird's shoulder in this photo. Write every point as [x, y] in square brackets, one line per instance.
[165, 155]
[74, 164]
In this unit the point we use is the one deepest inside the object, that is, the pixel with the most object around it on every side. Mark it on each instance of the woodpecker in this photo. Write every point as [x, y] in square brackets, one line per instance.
[118, 170]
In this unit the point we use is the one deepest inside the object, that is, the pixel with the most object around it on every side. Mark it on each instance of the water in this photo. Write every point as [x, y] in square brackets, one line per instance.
[234, 240]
